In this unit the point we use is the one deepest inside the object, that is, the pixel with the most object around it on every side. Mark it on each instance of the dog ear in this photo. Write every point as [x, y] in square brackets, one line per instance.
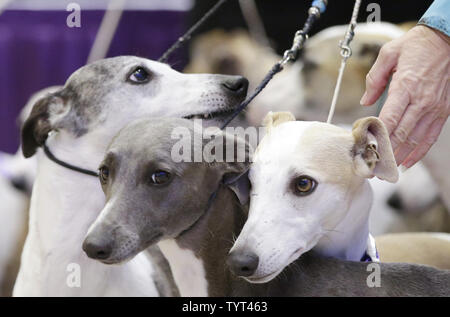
[233, 168]
[372, 150]
[231, 155]
[37, 126]
[272, 119]
[237, 165]
[239, 184]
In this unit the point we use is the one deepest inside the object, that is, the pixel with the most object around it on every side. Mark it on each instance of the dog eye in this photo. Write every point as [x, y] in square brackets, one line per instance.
[160, 177]
[139, 75]
[304, 185]
[103, 174]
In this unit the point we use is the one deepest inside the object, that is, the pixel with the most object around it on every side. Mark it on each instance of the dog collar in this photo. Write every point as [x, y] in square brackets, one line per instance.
[50, 155]
[371, 253]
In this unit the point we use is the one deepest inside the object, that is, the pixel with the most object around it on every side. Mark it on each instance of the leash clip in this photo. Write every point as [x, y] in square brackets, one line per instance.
[297, 44]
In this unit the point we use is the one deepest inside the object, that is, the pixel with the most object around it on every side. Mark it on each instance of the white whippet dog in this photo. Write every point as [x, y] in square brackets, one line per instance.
[95, 103]
[310, 190]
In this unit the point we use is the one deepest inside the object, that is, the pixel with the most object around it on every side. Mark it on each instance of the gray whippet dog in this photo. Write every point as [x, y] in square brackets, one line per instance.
[194, 210]
[77, 123]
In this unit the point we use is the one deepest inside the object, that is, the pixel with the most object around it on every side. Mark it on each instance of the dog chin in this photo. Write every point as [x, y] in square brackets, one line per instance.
[268, 277]
[213, 118]
[263, 279]
[119, 260]
[123, 258]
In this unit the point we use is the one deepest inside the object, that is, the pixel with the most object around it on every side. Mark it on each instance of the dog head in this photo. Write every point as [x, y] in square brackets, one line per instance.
[150, 197]
[100, 98]
[303, 178]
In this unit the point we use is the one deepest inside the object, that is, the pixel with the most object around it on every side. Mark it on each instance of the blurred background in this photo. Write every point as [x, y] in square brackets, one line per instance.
[38, 49]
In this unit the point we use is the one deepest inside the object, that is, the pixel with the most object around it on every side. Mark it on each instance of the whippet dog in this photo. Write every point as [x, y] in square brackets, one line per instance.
[77, 123]
[17, 176]
[310, 189]
[194, 209]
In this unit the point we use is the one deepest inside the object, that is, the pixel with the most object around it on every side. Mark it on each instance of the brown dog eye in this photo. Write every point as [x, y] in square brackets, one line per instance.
[103, 174]
[160, 177]
[304, 185]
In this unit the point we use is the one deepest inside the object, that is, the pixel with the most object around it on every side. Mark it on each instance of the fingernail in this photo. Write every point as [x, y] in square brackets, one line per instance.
[363, 100]
[403, 168]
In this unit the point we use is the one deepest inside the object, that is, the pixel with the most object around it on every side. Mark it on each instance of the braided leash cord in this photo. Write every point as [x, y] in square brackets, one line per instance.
[187, 36]
[317, 7]
[346, 52]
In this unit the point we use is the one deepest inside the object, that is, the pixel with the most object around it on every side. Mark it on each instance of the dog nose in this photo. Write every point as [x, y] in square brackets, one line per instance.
[19, 183]
[99, 249]
[242, 263]
[236, 85]
[395, 201]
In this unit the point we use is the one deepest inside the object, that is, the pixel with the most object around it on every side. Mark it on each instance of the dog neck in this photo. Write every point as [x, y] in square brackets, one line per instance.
[198, 256]
[63, 206]
[348, 240]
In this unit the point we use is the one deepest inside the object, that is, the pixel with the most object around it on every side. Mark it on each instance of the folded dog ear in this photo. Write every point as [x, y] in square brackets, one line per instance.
[272, 119]
[372, 150]
[239, 184]
[37, 126]
[232, 156]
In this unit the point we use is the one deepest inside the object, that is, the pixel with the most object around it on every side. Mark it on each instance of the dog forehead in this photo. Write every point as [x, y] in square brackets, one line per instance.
[110, 67]
[316, 147]
[151, 139]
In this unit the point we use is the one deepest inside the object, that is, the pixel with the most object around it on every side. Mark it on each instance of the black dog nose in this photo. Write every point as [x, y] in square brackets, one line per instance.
[19, 183]
[395, 201]
[97, 248]
[237, 85]
[242, 263]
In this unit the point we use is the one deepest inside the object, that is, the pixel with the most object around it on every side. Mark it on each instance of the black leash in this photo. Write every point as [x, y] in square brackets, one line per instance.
[67, 165]
[314, 12]
[187, 36]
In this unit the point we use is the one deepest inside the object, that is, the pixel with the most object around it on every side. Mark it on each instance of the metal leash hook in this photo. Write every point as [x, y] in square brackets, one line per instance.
[346, 53]
[290, 55]
[301, 36]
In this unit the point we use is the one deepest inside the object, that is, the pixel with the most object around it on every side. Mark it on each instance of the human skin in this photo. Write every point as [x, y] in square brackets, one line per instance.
[417, 105]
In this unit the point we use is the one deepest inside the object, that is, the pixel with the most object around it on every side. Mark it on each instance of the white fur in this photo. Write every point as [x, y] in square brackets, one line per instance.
[13, 215]
[334, 219]
[188, 270]
[441, 235]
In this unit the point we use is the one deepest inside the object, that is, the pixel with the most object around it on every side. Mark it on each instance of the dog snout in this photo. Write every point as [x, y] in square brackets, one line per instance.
[97, 248]
[243, 263]
[236, 85]
[395, 201]
[20, 183]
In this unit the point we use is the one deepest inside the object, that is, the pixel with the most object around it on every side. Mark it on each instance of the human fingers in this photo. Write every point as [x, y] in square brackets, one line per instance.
[427, 142]
[378, 76]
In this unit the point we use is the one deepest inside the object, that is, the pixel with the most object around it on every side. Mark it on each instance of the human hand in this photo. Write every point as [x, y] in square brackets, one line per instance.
[417, 104]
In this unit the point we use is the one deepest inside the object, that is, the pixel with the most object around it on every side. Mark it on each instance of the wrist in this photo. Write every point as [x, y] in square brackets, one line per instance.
[441, 35]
